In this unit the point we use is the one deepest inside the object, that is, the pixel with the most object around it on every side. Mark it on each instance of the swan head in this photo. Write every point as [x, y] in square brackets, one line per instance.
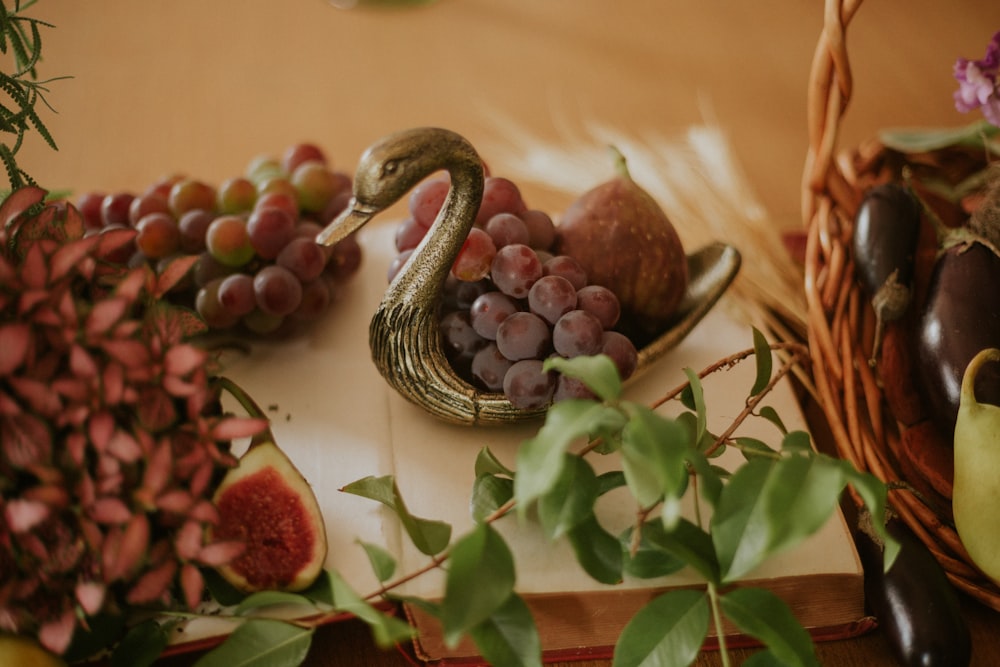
[392, 167]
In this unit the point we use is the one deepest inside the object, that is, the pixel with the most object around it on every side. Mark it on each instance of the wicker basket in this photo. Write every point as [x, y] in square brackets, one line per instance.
[840, 318]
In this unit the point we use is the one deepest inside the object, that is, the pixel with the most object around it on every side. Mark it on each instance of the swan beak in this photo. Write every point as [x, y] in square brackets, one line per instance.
[351, 219]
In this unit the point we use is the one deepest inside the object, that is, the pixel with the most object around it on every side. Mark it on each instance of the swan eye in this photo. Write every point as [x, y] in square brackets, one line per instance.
[390, 167]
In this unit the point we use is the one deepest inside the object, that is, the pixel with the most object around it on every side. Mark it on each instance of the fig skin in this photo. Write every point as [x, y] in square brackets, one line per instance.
[267, 503]
[960, 317]
[625, 242]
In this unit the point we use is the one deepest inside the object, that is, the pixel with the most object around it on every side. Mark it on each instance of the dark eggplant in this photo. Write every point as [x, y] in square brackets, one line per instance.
[960, 317]
[886, 232]
[916, 607]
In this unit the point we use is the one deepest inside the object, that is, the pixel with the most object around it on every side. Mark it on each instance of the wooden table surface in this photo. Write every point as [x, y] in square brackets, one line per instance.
[202, 87]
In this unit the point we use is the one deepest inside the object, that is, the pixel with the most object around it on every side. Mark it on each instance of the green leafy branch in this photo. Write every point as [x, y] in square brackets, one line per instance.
[776, 498]
[21, 89]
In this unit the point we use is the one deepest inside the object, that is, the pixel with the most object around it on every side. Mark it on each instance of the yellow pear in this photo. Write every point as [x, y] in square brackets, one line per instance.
[976, 492]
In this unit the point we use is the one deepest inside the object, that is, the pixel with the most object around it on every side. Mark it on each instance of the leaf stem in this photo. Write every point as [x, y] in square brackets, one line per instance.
[720, 635]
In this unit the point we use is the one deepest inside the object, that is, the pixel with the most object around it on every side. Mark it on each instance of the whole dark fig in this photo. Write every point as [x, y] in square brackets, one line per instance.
[960, 317]
[625, 242]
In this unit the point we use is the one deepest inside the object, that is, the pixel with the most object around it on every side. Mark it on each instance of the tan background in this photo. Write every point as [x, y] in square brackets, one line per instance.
[200, 87]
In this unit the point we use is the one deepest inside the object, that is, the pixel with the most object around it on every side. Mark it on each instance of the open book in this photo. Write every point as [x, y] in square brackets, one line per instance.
[339, 421]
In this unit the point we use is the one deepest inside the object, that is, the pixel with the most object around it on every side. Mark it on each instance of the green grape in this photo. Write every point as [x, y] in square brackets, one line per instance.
[228, 241]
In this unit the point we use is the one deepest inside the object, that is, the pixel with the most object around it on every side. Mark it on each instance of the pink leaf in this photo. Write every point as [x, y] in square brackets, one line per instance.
[205, 511]
[113, 383]
[154, 584]
[81, 363]
[69, 256]
[34, 271]
[131, 549]
[158, 468]
[72, 389]
[76, 445]
[90, 595]
[173, 273]
[39, 395]
[188, 540]
[19, 201]
[23, 515]
[132, 285]
[232, 428]
[156, 409]
[100, 428]
[109, 510]
[15, 339]
[105, 314]
[113, 239]
[25, 440]
[177, 501]
[192, 585]
[220, 553]
[129, 353]
[182, 359]
[124, 447]
[56, 634]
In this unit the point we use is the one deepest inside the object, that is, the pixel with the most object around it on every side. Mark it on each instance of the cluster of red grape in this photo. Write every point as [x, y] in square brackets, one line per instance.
[509, 303]
[259, 267]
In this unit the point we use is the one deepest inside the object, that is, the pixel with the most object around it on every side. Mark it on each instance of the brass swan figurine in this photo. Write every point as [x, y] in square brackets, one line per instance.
[404, 336]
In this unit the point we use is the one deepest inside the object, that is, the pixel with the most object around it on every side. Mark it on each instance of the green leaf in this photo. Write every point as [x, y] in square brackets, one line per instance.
[480, 579]
[873, 493]
[653, 451]
[598, 551]
[221, 590]
[141, 646]
[321, 590]
[509, 638]
[796, 441]
[598, 372]
[771, 415]
[382, 561]
[571, 501]
[488, 464]
[540, 459]
[609, 481]
[255, 601]
[763, 615]
[430, 537]
[387, 630]
[667, 632]
[769, 506]
[489, 494]
[920, 140]
[260, 642]
[690, 544]
[751, 447]
[762, 355]
[649, 560]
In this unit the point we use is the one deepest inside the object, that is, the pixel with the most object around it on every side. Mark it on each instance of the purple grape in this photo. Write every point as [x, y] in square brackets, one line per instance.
[488, 311]
[541, 229]
[570, 387]
[426, 199]
[278, 291]
[316, 298]
[524, 335]
[236, 294]
[270, 229]
[409, 234]
[515, 269]
[551, 297]
[207, 304]
[601, 303]
[193, 225]
[507, 229]
[489, 367]
[527, 386]
[461, 342]
[500, 195]
[568, 268]
[303, 257]
[577, 333]
[622, 351]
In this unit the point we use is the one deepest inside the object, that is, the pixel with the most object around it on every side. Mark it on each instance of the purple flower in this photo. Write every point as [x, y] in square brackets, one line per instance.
[979, 83]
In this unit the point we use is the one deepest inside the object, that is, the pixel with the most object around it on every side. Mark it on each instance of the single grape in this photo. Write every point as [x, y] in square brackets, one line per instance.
[188, 194]
[237, 195]
[316, 298]
[296, 154]
[527, 386]
[89, 206]
[460, 340]
[288, 203]
[500, 195]
[315, 185]
[541, 229]
[426, 199]
[551, 297]
[408, 234]
[193, 227]
[524, 335]
[475, 258]
[460, 295]
[506, 229]
[277, 184]
[489, 367]
[236, 294]
[149, 202]
[207, 269]
[568, 268]
[577, 333]
[228, 241]
[163, 185]
[263, 167]
[309, 229]
[569, 387]
[515, 269]
[207, 304]
[115, 208]
[269, 229]
[157, 235]
[277, 289]
[488, 311]
[303, 257]
[345, 258]
[601, 303]
[622, 351]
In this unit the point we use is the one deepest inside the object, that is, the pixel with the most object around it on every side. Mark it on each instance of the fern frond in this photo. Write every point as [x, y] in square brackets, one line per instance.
[42, 130]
